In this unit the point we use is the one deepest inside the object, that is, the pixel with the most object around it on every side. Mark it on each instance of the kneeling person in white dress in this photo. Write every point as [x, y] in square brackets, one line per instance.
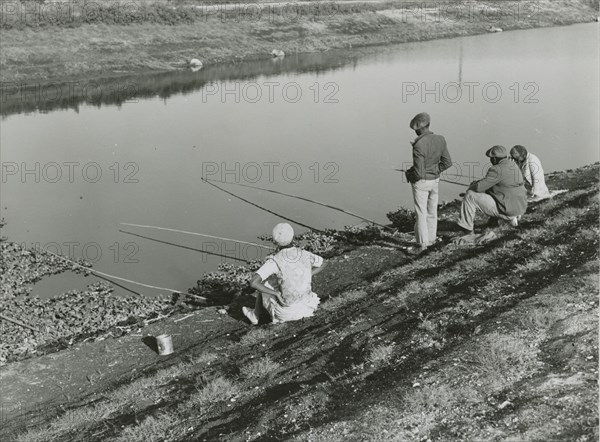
[292, 268]
[533, 173]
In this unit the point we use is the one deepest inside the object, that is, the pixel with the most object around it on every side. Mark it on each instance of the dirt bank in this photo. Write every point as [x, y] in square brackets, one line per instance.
[488, 342]
[58, 47]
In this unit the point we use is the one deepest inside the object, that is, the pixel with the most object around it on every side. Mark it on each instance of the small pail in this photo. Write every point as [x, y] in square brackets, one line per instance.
[164, 344]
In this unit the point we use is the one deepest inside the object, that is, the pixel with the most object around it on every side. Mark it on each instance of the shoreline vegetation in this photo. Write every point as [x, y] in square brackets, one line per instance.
[404, 346]
[43, 43]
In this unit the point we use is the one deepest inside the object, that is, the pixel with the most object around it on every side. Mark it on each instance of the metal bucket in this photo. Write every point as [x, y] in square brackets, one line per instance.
[164, 344]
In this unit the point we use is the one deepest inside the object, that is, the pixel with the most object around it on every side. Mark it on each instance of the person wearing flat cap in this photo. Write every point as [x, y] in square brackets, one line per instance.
[430, 159]
[284, 282]
[500, 194]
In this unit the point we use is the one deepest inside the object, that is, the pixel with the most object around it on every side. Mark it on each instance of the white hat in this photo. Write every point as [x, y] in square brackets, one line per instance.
[283, 234]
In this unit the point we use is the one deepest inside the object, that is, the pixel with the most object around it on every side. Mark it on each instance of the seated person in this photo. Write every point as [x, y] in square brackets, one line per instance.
[293, 269]
[500, 194]
[531, 168]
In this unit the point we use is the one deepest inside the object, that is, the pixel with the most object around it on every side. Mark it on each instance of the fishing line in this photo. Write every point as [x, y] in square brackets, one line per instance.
[260, 207]
[198, 234]
[185, 247]
[303, 199]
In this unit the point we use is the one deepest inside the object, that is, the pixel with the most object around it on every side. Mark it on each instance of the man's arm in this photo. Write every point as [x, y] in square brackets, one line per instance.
[491, 178]
[257, 284]
[445, 160]
[316, 270]
[526, 171]
[418, 162]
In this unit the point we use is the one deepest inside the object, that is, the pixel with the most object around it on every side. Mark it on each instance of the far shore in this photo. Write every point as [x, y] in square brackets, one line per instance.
[68, 52]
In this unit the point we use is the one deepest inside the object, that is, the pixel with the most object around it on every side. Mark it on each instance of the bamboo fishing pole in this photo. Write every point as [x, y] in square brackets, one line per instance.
[14, 321]
[198, 234]
[234, 258]
[260, 207]
[441, 179]
[329, 206]
[106, 275]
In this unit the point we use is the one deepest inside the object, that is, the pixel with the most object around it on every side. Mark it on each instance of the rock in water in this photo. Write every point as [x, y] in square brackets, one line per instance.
[195, 64]
[494, 29]
[277, 53]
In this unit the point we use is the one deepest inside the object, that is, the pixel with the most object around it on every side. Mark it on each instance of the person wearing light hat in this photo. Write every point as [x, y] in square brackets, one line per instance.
[430, 159]
[500, 194]
[291, 270]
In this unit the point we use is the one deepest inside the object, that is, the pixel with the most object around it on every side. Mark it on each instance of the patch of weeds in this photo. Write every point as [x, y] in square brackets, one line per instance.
[428, 325]
[203, 359]
[400, 299]
[501, 360]
[530, 266]
[491, 289]
[544, 259]
[257, 336]
[307, 406]
[429, 333]
[403, 219]
[343, 299]
[565, 216]
[470, 309]
[425, 407]
[533, 233]
[381, 354]
[356, 321]
[425, 340]
[541, 319]
[140, 390]
[263, 367]
[219, 389]
[69, 422]
[151, 429]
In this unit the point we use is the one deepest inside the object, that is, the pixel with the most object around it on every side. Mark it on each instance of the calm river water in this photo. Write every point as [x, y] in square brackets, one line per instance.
[330, 127]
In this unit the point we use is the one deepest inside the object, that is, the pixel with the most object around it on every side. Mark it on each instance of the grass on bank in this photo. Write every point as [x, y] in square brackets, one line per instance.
[470, 362]
[168, 39]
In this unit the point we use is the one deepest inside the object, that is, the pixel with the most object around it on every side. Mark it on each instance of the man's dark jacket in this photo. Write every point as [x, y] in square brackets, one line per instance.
[504, 182]
[430, 157]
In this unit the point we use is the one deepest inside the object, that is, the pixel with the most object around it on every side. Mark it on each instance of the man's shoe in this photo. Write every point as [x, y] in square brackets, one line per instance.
[514, 221]
[249, 313]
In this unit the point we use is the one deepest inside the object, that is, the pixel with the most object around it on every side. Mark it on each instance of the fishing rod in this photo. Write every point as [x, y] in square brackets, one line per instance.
[14, 321]
[260, 207]
[196, 234]
[304, 199]
[106, 275]
[442, 179]
[235, 258]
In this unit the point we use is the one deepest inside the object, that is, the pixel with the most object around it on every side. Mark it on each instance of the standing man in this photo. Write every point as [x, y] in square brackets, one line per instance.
[430, 159]
[531, 168]
[500, 194]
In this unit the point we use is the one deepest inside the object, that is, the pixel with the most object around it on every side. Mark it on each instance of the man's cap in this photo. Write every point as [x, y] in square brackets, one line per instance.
[497, 152]
[420, 121]
[283, 234]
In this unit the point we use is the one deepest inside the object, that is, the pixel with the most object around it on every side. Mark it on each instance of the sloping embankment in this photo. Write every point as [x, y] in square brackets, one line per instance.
[460, 343]
[55, 45]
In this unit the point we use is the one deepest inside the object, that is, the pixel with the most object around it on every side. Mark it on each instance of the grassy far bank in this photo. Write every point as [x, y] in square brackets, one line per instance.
[489, 342]
[157, 37]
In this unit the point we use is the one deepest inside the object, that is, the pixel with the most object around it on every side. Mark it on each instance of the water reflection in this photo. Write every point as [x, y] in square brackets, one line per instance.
[45, 97]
